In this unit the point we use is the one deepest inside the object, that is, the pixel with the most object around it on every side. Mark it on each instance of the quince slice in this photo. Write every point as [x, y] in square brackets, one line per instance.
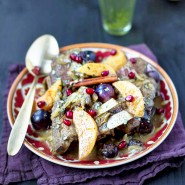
[136, 107]
[49, 96]
[116, 61]
[87, 132]
[95, 69]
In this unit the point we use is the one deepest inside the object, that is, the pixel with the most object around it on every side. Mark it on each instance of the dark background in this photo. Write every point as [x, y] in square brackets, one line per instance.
[158, 23]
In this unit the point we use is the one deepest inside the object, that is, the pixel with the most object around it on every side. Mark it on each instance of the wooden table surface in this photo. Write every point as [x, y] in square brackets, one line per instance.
[158, 23]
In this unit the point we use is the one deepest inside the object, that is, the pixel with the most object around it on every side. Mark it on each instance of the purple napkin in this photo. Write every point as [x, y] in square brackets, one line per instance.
[26, 165]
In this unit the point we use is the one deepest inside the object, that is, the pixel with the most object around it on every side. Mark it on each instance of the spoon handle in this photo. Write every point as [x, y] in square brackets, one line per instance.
[21, 123]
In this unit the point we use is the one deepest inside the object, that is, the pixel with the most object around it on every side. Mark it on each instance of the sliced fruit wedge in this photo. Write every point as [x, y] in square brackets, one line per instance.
[136, 107]
[118, 119]
[49, 96]
[116, 61]
[107, 106]
[95, 69]
[87, 132]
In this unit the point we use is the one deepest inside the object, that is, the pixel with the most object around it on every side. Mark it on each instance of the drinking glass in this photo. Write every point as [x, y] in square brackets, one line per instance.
[117, 15]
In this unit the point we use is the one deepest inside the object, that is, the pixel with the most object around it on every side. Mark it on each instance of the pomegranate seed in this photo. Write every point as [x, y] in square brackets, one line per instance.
[131, 75]
[122, 145]
[99, 56]
[159, 111]
[99, 59]
[78, 59]
[41, 104]
[36, 70]
[69, 92]
[67, 122]
[133, 60]
[69, 114]
[129, 98]
[72, 56]
[91, 112]
[106, 54]
[105, 73]
[99, 53]
[113, 52]
[90, 91]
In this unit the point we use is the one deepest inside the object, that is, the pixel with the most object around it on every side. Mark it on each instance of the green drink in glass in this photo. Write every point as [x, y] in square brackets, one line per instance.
[117, 15]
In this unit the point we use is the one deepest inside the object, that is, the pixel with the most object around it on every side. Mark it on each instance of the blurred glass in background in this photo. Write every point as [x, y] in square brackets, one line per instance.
[117, 15]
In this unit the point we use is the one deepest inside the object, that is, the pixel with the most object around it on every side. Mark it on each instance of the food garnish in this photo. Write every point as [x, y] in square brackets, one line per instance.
[94, 81]
[122, 145]
[67, 122]
[90, 91]
[133, 60]
[105, 73]
[131, 75]
[69, 114]
[92, 112]
[69, 92]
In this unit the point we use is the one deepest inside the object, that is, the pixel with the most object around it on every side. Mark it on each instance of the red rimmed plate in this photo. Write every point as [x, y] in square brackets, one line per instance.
[23, 81]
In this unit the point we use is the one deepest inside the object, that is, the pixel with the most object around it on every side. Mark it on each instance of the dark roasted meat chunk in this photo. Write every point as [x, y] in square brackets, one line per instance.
[148, 90]
[59, 71]
[139, 66]
[104, 131]
[138, 125]
[62, 136]
[131, 127]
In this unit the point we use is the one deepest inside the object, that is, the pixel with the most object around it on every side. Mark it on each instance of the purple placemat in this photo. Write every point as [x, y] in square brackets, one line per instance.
[26, 165]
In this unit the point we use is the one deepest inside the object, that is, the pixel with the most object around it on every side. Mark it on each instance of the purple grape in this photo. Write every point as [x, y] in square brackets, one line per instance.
[151, 72]
[88, 55]
[110, 150]
[136, 142]
[146, 125]
[41, 120]
[105, 92]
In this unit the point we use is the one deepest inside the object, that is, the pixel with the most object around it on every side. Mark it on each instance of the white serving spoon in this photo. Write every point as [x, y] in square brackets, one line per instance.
[38, 62]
